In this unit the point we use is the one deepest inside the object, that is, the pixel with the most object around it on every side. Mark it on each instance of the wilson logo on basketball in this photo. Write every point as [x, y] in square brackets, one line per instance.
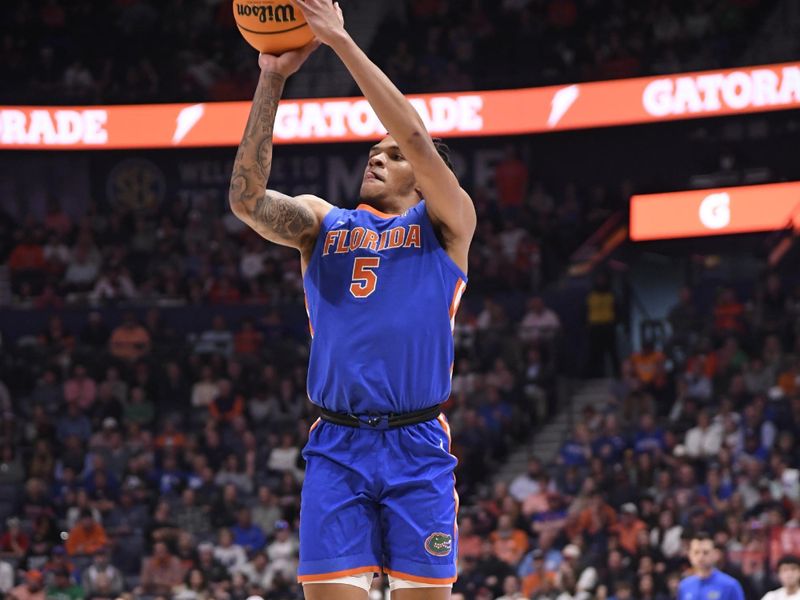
[439, 544]
[281, 13]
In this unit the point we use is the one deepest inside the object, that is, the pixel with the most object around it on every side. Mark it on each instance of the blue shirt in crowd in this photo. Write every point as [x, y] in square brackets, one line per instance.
[717, 586]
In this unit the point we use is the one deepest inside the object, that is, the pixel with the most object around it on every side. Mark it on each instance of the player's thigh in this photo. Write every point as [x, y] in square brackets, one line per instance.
[339, 524]
[333, 591]
[419, 506]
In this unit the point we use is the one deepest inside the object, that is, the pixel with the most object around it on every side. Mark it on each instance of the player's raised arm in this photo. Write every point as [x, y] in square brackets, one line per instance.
[448, 204]
[277, 217]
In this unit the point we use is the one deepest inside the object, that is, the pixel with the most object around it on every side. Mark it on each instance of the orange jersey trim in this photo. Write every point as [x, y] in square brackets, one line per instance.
[375, 211]
[418, 579]
[461, 286]
[315, 424]
[310, 326]
[446, 426]
[337, 574]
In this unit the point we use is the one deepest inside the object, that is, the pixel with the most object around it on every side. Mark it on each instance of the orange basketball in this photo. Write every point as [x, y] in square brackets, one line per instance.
[272, 26]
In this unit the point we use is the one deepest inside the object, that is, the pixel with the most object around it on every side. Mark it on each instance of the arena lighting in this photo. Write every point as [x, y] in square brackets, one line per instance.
[721, 211]
[507, 112]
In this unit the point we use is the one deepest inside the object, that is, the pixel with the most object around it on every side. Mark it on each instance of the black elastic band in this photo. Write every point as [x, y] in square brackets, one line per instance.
[382, 421]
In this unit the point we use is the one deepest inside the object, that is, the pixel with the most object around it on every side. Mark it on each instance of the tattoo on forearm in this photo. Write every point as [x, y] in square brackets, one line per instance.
[251, 169]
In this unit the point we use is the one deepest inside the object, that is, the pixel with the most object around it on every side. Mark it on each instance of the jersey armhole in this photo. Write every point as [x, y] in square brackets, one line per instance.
[324, 227]
[440, 251]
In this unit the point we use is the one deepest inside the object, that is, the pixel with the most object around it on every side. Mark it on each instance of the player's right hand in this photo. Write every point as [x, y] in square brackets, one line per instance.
[288, 63]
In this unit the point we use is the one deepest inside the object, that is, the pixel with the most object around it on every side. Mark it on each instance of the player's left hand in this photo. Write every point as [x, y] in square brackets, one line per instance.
[325, 19]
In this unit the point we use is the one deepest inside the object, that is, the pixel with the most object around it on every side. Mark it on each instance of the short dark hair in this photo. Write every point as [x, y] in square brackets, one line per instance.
[789, 559]
[701, 536]
[444, 152]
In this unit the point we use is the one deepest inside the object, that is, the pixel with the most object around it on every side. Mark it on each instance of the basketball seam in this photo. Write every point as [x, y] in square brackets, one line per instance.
[271, 32]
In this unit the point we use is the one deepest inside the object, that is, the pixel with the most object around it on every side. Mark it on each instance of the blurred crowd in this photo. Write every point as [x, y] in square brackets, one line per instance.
[521, 43]
[143, 458]
[698, 435]
[179, 253]
[87, 51]
[153, 461]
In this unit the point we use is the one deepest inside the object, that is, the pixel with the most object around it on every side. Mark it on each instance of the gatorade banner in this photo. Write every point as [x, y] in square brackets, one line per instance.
[507, 112]
[720, 211]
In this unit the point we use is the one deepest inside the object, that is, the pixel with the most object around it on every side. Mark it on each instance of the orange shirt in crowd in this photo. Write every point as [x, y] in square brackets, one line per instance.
[533, 582]
[628, 534]
[86, 541]
[593, 522]
[130, 343]
[512, 548]
[469, 545]
[649, 366]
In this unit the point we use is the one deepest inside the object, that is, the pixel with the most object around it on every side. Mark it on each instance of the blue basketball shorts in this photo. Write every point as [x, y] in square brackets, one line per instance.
[379, 501]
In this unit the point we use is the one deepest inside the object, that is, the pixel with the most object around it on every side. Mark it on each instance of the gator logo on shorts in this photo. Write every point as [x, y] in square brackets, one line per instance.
[439, 544]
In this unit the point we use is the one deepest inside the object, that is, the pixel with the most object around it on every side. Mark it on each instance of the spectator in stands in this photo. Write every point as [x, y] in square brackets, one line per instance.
[649, 365]
[629, 527]
[266, 511]
[540, 323]
[229, 554]
[161, 572]
[206, 561]
[247, 534]
[217, 340]
[63, 588]
[14, 542]
[510, 544]
[31, 589]
[101, 577]
[87, 536]
[511, 180]
[226, 405]
[704, 440]
[80, 388]
[258, 571]
[282, 552]
[129, 341]
[194, 587]
[601, 318]
[26, 261]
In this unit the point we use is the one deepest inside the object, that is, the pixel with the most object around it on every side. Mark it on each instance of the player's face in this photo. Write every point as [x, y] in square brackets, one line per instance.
[388, 173]
[789, 576]
[701, 554]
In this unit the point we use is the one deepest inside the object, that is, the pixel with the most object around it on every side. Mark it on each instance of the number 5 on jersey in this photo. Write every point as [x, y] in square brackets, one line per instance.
[364, 277]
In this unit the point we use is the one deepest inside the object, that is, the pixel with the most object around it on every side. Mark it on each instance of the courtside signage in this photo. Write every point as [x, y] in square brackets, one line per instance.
[722, 211]
[507, 112]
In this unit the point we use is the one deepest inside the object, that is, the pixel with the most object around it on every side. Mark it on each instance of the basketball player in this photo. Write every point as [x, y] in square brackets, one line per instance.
[789, 576]
[383, 283]
[707, 582]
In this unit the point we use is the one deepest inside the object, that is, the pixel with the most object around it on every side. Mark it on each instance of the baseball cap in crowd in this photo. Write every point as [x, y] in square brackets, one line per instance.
[537, 554]
[629, 508]
[109, 423]
[281, 524]
[205, 546]
[571, 551]
[34, 575]
[59, 550]
[12, 522]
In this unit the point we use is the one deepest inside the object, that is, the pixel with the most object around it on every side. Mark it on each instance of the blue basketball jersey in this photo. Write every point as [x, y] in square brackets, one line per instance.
[381, 295]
